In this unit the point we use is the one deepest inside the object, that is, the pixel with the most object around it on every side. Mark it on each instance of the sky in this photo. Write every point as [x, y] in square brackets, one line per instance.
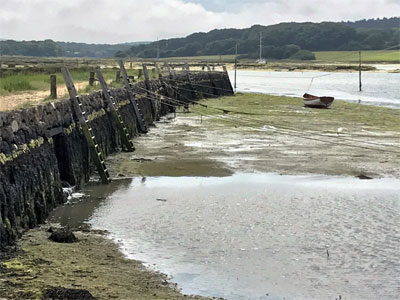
[119, 21]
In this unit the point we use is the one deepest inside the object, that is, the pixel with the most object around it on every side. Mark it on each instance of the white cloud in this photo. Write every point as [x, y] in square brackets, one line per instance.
[105, 21]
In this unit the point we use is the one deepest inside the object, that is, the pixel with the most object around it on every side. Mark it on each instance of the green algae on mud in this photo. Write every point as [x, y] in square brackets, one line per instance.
[280, 110]
[94, 264]
[265, 133]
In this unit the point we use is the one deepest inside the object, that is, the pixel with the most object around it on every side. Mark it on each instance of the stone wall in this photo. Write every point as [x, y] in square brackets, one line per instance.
[43, 148]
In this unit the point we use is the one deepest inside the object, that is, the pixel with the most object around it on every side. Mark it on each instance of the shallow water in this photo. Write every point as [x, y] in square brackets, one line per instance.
[256, 236]
[382, 89]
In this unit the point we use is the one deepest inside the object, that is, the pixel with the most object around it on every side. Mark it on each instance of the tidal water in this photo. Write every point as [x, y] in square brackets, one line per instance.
[257, 235]
[381, 89]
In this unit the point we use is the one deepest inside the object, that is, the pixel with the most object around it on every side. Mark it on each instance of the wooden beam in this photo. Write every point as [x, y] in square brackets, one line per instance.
[125, 136]
[87, 130]
[138, 112]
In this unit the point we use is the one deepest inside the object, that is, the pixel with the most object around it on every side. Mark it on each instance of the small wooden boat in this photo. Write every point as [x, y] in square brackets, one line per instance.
[317, 102]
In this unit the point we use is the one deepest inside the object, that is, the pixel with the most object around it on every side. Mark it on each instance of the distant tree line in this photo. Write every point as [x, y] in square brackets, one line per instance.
[285, 40]
[384, 23]
[31, 48]
[67, 49]
[280, 41]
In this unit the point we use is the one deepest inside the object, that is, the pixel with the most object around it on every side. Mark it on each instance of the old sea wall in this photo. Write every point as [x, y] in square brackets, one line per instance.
[43, 148]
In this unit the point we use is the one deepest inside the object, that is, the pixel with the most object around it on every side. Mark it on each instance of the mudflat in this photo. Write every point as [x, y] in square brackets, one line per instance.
[242, 133]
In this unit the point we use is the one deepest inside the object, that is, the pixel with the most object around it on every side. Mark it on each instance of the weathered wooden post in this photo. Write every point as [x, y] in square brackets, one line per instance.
[117, 76]
[140, 73]
[83, 121]
[125, 136]
[227, 76]
[138, 113]
[189, 77]
[150, 92]
[53, 87]
[158, 71]
[91, 78]
[359, 71]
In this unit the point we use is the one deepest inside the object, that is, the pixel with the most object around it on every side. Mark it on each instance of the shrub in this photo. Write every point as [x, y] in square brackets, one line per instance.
[303, 55]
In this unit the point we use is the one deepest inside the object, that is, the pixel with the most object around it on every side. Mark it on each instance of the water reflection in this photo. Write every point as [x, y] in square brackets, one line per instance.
[77, 211]
[257, 236]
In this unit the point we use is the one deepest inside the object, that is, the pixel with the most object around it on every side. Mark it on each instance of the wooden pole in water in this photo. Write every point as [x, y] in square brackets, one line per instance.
[235, 64]
[53, 87]
[359, 70]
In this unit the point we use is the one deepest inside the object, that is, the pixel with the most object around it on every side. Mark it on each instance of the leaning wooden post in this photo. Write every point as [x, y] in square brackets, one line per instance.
[128, 86]
[53, 87]
[359, 71]
[158, 70]
[86, 128]
[91, 78]
[125, 136]
[189, 77]
[150, 92]
[227, 76]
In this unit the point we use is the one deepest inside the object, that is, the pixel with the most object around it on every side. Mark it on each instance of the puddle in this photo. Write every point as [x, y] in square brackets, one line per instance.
[256, 236]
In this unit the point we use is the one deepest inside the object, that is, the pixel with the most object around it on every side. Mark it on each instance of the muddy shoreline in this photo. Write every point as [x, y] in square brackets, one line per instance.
[94, 263]
[208, 143]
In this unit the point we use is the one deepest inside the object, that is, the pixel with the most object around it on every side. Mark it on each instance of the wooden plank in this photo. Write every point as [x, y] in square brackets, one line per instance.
[227, 76]
[125, 137]
[150, 92]
[53, 87]
[138, 113]
[87, 130]
[189, 77]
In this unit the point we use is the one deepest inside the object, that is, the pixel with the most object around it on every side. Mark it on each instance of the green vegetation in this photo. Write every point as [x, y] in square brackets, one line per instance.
[40, 81]
[208, 58]
[50, 48]
[278, 41]
[289, 112]
[352, 56]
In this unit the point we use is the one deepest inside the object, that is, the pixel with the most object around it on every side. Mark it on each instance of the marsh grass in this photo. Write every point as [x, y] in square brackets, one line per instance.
[289, 112]
[41, 81]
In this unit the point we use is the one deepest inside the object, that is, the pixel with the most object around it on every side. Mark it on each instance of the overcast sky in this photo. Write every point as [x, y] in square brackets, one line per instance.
[115, 21]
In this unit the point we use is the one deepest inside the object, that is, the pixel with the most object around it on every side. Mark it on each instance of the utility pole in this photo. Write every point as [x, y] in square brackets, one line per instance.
[359, 70]
[236, 53]
[260, 46]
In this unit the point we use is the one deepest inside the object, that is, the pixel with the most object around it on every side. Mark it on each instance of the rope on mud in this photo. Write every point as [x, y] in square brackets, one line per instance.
[248, 122]
[202, 85]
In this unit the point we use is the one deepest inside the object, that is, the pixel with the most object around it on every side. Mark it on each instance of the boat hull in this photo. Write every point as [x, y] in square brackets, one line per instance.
[317, 102]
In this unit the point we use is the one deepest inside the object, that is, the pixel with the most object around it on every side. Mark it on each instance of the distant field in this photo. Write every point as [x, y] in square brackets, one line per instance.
[391, 56]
